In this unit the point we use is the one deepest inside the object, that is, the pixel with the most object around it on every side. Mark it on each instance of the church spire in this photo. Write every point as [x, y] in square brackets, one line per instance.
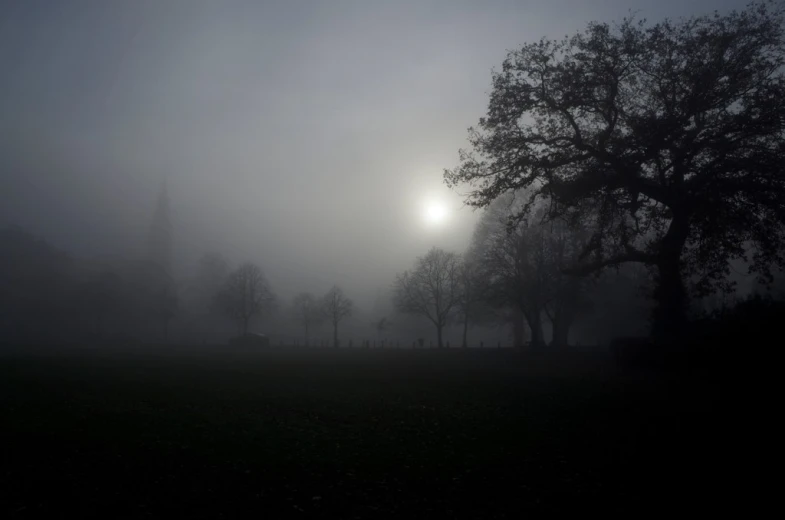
[159, 240]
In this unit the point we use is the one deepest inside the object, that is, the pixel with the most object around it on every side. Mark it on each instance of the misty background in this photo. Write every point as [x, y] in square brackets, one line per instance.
[307, 137]
[199, 199]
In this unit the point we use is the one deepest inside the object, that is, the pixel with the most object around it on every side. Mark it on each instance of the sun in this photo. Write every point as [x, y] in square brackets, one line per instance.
[435, 213]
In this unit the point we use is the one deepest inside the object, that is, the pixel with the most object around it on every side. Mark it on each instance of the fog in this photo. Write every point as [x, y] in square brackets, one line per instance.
[308, 137]
[385, 258]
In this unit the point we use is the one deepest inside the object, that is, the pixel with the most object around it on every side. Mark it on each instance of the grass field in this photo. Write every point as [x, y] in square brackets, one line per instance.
[349, 434]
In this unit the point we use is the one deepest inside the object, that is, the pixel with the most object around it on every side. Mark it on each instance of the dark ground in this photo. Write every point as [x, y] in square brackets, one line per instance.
[351, 434]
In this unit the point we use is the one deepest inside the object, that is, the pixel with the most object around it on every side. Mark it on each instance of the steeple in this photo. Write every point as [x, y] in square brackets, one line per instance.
[159, 240]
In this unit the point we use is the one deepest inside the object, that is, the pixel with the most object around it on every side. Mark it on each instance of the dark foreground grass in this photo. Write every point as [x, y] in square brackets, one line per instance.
[350, 434]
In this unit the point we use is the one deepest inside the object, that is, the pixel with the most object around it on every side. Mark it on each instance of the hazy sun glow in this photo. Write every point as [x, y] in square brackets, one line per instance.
[435, 213]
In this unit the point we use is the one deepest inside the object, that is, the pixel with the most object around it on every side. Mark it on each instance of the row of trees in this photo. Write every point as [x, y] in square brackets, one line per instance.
[45, 295]
[659, 145]
[512, 273]
[522, 267]
[48, 296]
[311, 311]
[245, 293]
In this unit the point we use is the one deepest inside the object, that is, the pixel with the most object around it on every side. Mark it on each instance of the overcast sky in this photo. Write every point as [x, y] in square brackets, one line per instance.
[306, 136]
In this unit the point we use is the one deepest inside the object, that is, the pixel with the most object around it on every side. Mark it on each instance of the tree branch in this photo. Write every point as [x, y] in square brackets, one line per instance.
[630, 256]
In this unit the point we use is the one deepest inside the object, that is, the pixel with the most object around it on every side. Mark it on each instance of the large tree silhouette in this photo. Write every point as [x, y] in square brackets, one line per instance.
[666, 140]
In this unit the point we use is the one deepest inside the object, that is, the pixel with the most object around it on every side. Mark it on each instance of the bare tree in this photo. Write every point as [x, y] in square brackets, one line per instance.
[667, 139]
[245, 294]
[472, 302]
[431, 289]
[307, 311]
[514, 267]
[336, 306]
[521, 266]
[567, 295]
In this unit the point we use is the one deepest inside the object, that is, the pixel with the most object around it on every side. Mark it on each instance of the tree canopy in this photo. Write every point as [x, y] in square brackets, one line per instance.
[665, 140]
[522, 268]
[246, 294]
[336, 306]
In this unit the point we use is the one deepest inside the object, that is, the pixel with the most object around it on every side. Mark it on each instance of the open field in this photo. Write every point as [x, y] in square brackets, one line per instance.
[349, 434]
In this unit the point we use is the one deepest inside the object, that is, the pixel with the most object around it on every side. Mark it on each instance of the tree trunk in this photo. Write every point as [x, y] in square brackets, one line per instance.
[535, 324]
[465, 330]
[335, 335]
[439, 335]
[670, 313]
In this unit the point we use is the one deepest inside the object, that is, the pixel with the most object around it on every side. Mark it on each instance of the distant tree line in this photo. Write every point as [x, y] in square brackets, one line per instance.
[509, 274]
[47, 296]
[622, 171]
